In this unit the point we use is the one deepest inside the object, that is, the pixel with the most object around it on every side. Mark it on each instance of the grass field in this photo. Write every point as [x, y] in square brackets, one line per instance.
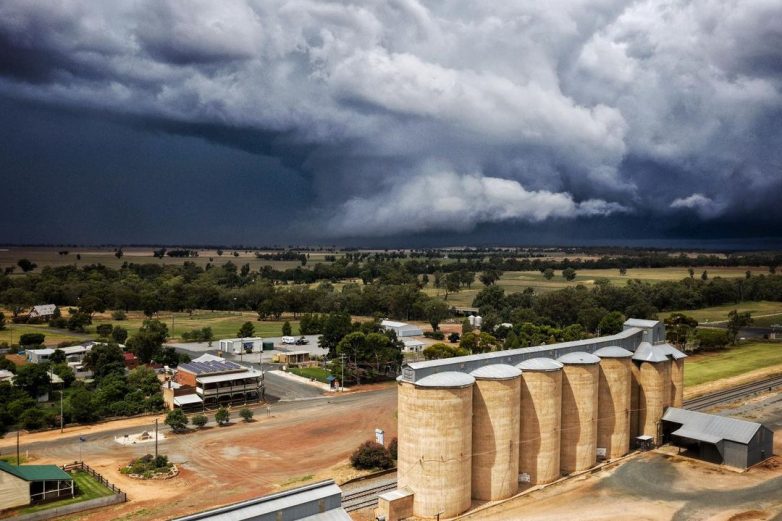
[89, 487]
[318, 373]
[731, 362]
[224, 325]
[50, 257]
[516, 281]
[720, 313]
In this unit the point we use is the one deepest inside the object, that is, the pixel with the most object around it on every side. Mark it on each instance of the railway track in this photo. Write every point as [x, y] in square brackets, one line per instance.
[727, 395]
[365, 498]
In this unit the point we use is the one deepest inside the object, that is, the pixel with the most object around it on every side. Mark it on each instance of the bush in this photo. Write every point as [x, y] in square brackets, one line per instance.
[177, 420]
[222, 416]
[58, 323]
[454, 338]
[119, 315]
[712, 339]
[437, 335]
[104, 330]
[246, 414]
[371, 455]
[392, 448]
[32, 339]
[199, 420]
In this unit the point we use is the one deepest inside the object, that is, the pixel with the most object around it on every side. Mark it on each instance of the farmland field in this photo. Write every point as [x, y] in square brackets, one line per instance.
[720, 313]
[730, 362]
[92, 255]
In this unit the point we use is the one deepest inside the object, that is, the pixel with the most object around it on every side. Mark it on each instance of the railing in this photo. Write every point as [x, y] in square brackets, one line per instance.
[80, 465]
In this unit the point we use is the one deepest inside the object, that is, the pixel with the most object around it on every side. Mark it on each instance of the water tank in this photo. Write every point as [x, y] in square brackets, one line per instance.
[578, 442]
[613, 402]
[541, 407]
[435, 442]
[478, 321]
[471, 318]
[495, 432]
[654, 388]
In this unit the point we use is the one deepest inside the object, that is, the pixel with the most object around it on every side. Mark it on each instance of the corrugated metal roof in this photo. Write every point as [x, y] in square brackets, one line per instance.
[647, 352]
[639, 322]
[393, 323]
[446, 379]
[496, 372]
[211, 366]
[702, 426]
[578, 358]
[539, 364]
[294, 499]
[398, 493]
[613, 352]
[36, 472]
[248, 373]
[187, 399]
[671, 351]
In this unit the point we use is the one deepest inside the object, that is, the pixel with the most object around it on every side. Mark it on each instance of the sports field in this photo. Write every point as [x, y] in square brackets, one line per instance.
[730, 362]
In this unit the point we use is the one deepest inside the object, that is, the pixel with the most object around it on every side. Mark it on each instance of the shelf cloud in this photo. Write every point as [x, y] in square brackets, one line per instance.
[407, 117]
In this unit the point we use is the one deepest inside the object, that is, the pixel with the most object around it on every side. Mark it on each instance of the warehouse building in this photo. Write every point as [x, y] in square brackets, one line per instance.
[241, 345]
[317, 502]
[718, 439]
[402, 329]
[22, 485]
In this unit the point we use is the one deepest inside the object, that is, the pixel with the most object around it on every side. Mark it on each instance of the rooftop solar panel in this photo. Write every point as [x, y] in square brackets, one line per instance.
[211, 366]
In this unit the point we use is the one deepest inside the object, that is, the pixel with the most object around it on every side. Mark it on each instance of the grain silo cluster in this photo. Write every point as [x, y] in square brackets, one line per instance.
[479, 427]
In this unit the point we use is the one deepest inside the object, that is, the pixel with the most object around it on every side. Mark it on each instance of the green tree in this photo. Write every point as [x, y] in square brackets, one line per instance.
[33, 379]
[145, 380]
[177, 420]
[466, 326]
[736, 321]
[104, 330]
[119, 334]
[691, 272]
[612, 323]
[33, 419]
[222, 416]
[57, 357]
[246, 414]
[247, 330]
[26, 265]
[622, 271]
[78, 321]
[435, 311]
[148, 342]
[705, 275]
[199, 420]
[569, 274]
[548, 274]
[104, 360]
[65, 372]
[31, 339]
[81, 405]
[335, 327]
[286, 329]
[2, 321]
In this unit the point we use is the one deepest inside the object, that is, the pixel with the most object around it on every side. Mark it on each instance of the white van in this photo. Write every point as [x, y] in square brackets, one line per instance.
[289, 340]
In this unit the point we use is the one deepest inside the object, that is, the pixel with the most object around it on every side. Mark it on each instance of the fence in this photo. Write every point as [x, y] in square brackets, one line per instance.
[80, 465]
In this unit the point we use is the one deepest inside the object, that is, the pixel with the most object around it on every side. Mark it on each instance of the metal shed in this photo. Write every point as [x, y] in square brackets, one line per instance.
[718, 439]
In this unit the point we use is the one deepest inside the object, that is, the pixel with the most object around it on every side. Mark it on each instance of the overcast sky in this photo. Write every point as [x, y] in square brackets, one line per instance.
[391, 122]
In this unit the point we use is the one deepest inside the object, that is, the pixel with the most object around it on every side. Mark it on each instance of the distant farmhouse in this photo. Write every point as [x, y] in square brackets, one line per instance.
[42, 312]
[27, 484]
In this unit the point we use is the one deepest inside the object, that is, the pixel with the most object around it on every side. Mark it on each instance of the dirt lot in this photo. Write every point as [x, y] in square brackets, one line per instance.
[298, 444]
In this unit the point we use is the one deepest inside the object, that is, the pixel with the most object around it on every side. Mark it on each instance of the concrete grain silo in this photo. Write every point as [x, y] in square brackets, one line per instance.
[541, 413]
[677, 375]
[654, 387]
[495, 432]
[435, 442]
[578, 442]
[613, 403]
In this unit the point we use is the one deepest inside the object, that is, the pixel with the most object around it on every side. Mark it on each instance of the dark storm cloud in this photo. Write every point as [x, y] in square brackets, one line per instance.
[405, 117]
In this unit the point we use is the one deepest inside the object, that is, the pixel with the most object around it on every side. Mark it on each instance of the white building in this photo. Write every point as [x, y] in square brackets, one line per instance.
[413, 346]
[402, 329]
[44, 311]
[235, 345]
[73, 354]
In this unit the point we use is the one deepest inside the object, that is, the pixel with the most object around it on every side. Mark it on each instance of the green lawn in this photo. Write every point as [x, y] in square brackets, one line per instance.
[730, 362]
[88, 486]
[317, 373]
[12, 332]
[720, 313]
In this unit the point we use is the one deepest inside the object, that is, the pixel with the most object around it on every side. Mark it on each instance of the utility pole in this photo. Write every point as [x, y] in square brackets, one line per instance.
[342, 378]
[18, 462]
[62, 391]
[155, 439]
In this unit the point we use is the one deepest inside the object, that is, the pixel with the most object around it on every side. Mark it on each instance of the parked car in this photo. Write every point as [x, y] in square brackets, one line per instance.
[302, 341]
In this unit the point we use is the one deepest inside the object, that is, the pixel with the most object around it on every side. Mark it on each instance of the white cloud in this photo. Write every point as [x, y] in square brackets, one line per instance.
[444, 200]
[705, 206]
